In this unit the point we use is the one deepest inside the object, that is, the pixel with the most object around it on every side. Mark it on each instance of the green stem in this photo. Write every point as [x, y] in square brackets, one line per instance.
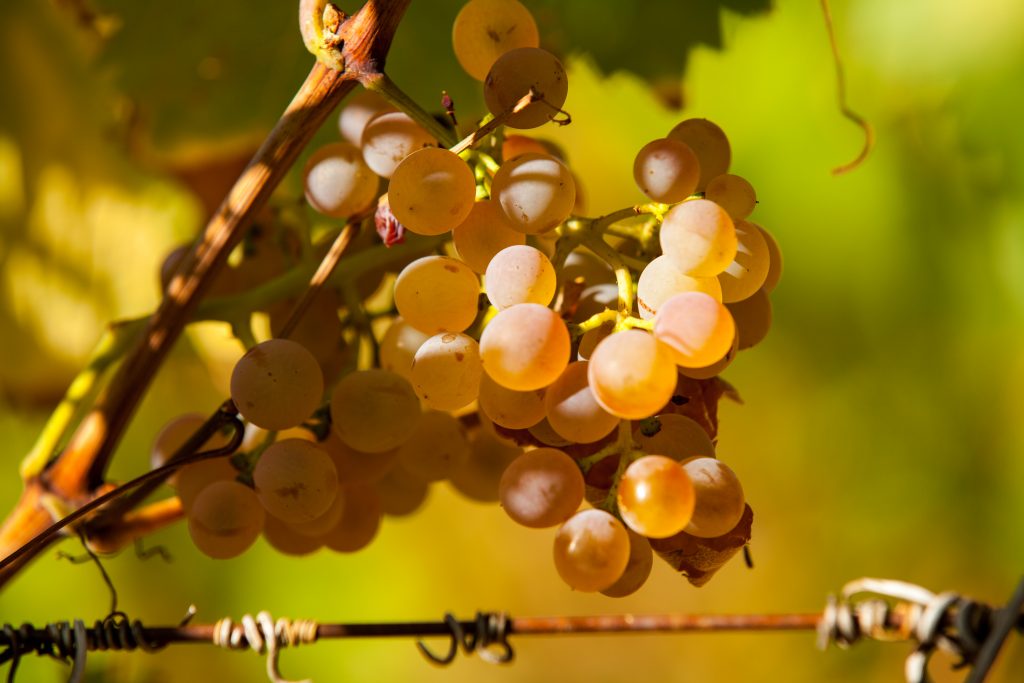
[626, 448]
[623, 276]
[390, 91]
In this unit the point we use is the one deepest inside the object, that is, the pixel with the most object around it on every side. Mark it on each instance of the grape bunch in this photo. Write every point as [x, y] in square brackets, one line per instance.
[491, 335]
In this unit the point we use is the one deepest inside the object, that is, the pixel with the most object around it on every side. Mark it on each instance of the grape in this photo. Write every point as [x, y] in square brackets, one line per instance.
[666, 170]
[753, 318]
[631, 374]
[674, 436]
[398, 347]
[747, 273]
[591, 338]
[508, 408]
[374, 410]
[697, 330]
[638, 568]
[514, 145]
[437, 294]
[446, 371]
[194, 478]
[319, 329]
[225, 519]
[699, 238]
[582, 264]
[390, 137]
[716, 368]
[573, 411]
[295, 480]
[541, 488]
[546, 434]
[661, 280]
[486, 29]
[357, 467]
[733, 193]
[519, 275]
[401, 493]
[479, 477]
[720, 501]
[514, 74]
[359, 522]
[483, 234]
[437, 447]
[323, 523]
[774, 261]
[709, 143]
[656, 497]
[277, 384]
[591, 551]
[358, 111]
[536, 192]
[338, 182]
[431, 191]
[525, 347]
[173, 436]
[283, 538]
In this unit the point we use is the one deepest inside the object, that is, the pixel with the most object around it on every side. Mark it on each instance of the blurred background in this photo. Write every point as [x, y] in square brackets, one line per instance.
[882, 430]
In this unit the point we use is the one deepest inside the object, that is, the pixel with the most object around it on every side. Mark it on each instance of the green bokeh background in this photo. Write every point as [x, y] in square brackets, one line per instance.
[882, 432]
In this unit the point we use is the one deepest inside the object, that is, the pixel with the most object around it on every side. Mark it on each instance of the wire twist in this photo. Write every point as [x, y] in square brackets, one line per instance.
[263, 634]
[490, 629]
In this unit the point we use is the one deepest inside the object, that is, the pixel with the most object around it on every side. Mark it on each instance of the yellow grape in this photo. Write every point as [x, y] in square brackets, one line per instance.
[666, 170]
[283, 538]
[536, 192]
[437, 294]
[720, 502]
[546, 434]
[709, 143]
[192, 479]
[357, 467]
[716, 368]
[572, 410]
[431, 191]
[398, 347]
[295, 480]
[591, 551]
[514, 74]
[390, 137]
[337, 181]
[446, 371]
[374, 410]
[321, 524]
[525, 347]
[509, 408]
[697, 330]
[479, 477]
[661, 280]
[277, 384]
[747, 273]
[674, 436]
[638, 568]
[591, 338]
[631, 374]
[519, 275]
[656, 497]
[225, 519]
[359, 521]
[774, 260]
[733, 193]
[483, 234]
[541, 488]
[514, 145]
[173, 436]
[358, 111]
[486, 29]
[699, 238]
[400, 492]
[437, 447]
[753, 317]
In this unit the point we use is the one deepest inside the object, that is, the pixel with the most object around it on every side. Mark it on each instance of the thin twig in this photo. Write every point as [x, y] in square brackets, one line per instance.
[869, 132]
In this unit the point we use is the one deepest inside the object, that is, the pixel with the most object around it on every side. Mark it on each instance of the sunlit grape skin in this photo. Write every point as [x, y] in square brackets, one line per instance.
[536, 192]
[338, 182]
[437, 294]
[656, 497]
[484, 30]
[591, 551]
[699, 238]
[666, 170]
[697, 330]
[661, 280]
[431, 191]
[514, 74]
[277, 384]
[748, 271]
[390, 137]
[520, 274]
[631, 374]
[525, 347]
[709, 143]
[572, 410]
[446, 371]
[484, 233]
[719, 497]
[733, 193]
[541, 488]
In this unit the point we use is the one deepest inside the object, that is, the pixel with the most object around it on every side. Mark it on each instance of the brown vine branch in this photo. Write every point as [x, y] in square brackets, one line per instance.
[869, 131]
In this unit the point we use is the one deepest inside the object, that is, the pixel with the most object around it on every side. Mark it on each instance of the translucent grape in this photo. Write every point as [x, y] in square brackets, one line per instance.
[546, 434]
[525, 347]
[437, 448]
[277, 384]
[656, 497]
[661, 280]
[357, 467]
[483, 234]
[358, 111]
[631, 374]
[437, 294]
[541, 488]
[514, 145]
[374, 410]
[638, 568]
[192, 479]
[486, 29]
[747, 273]
[536, 192]
[431, 191]
[390, 137]
[446, 371]
[479, 477]
[514, 74]
[699, 238]
[359, 521]
[401, 493]
[338, 182]
[283, 538]
[716, 368]
[520, 275]
[753, 318]
[774, 260]
[295, 480]
[697, 330]
[572, 409]
[733, 193]
[591, 551]
[225, 519]
[674, 436]
[720, 501]
[509, 408]
[709, 143]
[323, 523]
[666, 170]
[398, 347]
[173, 436]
